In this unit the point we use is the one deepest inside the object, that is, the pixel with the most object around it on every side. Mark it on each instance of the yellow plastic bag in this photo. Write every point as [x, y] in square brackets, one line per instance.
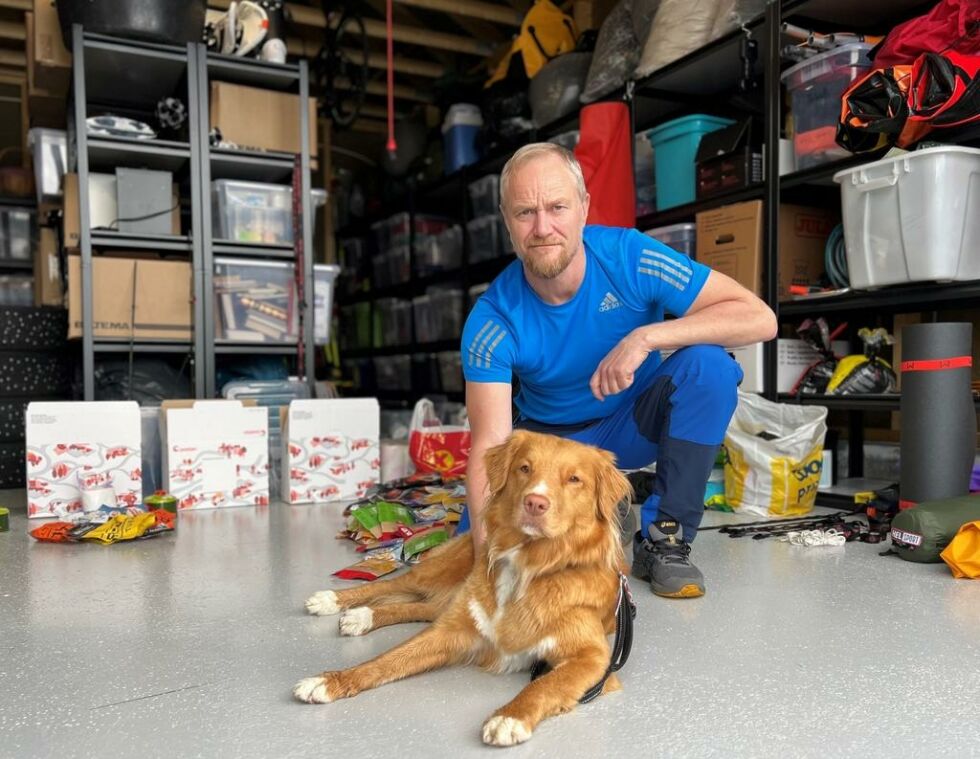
[774, 456]
[962, 555]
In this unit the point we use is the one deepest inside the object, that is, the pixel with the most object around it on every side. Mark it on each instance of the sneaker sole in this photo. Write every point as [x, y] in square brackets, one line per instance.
[688, 591]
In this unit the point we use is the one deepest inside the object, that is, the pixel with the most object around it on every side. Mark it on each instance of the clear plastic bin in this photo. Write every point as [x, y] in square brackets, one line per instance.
[450, 371]
[324, 279]
[17, 234]
[393, 372]
[475, 292]
[396, 230]
[485, 195]
[440, 252]
[49, 148]
[484, 237]
[425, 372]
[399, 265]
[252, 212]
[506, 246]
[362, 329]
[380, 270]
[447, 313]
[645, 173]
[424, 324]
[396, 321]
[910, 218]
[680, 237]
[815, 87]
[255, 302]
[16, 290]
[355, 259]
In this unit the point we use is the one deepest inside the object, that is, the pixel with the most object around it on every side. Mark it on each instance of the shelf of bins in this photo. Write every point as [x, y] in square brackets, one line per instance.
[163, 155]
[257, 349]
[688, 211]
[897, 299]
[141, 346]
[391, 350]
[252, 166]
[888, 402]
[108, 239]
[247, 249]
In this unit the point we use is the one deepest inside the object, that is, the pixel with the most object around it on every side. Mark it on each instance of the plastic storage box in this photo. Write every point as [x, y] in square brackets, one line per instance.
[912, 219]
[450, 371]
[815, 87]
[675, 144]
[485, 195]
[397, 230]
[475, 292]
[324, 279]
[393, 372]
[439, 252]
[484, 236]
[17, 234]
[646, 180]
[255, 302]
[16, 290]
[49, 148]
[425, 372]
[447, 313]
[680, 237]
[424, 325]
[252, 212]
[396, 321]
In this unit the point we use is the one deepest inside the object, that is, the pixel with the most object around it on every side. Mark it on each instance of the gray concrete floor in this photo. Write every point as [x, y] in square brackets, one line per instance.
[188, 645]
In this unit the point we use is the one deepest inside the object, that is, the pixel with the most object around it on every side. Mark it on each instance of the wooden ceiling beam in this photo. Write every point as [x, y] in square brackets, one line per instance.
[471, 8]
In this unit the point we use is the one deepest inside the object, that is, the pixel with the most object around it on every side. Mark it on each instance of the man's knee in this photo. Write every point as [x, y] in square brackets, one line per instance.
[711, 363]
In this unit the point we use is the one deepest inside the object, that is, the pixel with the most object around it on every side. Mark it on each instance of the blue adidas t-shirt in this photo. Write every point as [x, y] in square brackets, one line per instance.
[630, 280]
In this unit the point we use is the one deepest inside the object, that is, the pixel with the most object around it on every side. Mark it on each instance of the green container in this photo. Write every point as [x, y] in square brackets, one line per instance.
[4, 519]
[161, 500]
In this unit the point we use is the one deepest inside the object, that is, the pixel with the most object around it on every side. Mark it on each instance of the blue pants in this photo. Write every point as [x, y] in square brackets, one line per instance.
[679, 421]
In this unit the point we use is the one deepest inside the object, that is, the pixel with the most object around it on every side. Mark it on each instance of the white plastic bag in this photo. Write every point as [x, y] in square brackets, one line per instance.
[774, 457]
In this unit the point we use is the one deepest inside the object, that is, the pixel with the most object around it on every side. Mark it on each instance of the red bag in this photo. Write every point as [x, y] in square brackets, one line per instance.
[605, 151]
[950, 25]
[437, 447]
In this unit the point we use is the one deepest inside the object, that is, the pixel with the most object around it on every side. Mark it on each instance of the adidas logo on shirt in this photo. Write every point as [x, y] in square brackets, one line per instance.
[609, 303]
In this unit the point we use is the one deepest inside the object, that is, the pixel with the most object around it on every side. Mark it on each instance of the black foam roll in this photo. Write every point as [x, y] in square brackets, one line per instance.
[939, 422]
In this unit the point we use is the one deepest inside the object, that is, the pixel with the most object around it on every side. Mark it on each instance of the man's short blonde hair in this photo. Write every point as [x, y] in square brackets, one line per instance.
[540, 150]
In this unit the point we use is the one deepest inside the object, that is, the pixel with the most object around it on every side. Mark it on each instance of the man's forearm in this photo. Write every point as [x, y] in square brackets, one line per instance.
[476, 492]
[729, 324]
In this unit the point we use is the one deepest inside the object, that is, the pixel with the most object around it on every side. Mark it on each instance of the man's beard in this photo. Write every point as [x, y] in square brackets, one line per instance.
[551, 268]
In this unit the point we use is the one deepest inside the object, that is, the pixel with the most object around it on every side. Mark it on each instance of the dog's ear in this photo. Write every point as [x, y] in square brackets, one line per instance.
[611, 487]
[498, 460]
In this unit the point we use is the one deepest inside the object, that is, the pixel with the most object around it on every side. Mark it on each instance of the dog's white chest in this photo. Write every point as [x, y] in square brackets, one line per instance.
[508, 580]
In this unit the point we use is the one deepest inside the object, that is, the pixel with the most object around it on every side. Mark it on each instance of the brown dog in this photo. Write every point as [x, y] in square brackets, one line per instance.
[544, 587]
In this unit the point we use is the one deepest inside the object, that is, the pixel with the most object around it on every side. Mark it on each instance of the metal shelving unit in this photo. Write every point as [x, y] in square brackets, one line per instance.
[253, 166]
[127, 74]
[124, 73]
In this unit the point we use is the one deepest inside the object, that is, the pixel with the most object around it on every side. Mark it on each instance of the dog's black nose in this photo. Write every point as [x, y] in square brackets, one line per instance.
[535, 504]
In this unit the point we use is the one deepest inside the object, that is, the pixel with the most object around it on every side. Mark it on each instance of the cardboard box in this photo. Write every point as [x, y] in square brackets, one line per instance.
[46, 108]
[49, 281]
[330, 449]
[131, 297]
[803, 233]
[793, 358]
[102, 207]
[71, 445]
[215, 453]
[260, 119]
[729, 240]
[49, 62]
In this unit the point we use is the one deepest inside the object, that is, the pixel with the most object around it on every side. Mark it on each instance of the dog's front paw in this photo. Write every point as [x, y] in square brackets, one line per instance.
[323, 603]
[505, 731]
[357, 621]
[318, 690]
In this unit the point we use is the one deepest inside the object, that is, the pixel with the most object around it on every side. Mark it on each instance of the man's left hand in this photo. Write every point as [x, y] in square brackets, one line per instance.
[616, 371]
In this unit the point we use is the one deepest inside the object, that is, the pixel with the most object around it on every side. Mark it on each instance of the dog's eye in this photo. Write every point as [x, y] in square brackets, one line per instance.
[525, 468]
[574, 478]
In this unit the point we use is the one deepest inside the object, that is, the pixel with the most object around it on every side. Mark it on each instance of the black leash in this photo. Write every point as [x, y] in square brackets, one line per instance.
[625, 614]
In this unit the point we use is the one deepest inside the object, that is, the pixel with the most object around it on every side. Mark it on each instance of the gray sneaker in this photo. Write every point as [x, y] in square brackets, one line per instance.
[664, 560]
[627, 521]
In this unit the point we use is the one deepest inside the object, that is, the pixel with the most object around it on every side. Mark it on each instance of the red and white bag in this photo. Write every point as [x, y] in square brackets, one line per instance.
[437, 447]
